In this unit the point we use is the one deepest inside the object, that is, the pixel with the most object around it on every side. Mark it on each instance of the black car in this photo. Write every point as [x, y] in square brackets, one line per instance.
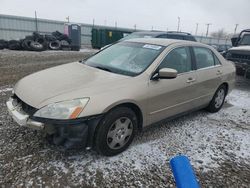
[160, 34]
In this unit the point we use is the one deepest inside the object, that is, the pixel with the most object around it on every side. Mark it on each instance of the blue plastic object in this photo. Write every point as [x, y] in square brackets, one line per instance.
[183, 172]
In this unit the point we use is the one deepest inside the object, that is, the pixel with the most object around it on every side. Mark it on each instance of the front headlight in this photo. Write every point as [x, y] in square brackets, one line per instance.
[63, 110]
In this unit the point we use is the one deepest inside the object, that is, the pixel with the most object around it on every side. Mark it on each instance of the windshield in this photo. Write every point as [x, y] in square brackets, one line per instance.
[127, 58]
[245, 40]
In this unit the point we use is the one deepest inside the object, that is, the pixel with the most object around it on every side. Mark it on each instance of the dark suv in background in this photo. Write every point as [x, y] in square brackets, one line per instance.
[160, 34]
[240, 53]
[157, 34]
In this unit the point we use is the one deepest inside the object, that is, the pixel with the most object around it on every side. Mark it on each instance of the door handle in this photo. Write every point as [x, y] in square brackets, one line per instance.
[219, 72]
[190, 80]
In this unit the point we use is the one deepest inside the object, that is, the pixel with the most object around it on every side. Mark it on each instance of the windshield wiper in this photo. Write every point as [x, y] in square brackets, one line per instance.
[103, 68]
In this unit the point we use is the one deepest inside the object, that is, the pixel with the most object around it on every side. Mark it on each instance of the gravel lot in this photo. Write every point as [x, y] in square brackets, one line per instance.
[218, 145]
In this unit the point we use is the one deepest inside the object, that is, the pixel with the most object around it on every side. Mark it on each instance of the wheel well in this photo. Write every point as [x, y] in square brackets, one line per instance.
[226, 84]
[136, 110]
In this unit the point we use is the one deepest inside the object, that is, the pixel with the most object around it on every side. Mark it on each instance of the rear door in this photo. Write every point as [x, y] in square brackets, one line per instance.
[209, 72]
[168, 97]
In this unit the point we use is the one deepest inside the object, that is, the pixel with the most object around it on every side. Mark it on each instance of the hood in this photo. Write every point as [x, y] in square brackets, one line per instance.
[41, 86]
[240, 50]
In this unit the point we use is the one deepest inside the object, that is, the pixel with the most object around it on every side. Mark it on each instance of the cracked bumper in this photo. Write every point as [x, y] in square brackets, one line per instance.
[21, 118]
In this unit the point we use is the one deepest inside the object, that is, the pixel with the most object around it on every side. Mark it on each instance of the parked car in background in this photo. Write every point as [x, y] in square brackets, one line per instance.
[160, 34]
[223, 47]
[103, 101]
[157, 34]
[240, 53]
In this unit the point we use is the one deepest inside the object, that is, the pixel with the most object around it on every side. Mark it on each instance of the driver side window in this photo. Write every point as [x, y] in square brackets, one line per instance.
[178, 59]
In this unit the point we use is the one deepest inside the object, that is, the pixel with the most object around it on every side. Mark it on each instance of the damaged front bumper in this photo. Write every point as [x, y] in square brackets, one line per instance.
[69, 133]
[242, 66]
[20, 117]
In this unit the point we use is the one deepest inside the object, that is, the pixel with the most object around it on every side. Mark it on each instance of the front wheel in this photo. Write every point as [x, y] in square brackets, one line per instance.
[116, 131]
[218, 100]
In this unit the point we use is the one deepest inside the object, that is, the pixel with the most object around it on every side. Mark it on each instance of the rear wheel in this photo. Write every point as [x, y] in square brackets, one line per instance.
[116, 131]
[218, 99]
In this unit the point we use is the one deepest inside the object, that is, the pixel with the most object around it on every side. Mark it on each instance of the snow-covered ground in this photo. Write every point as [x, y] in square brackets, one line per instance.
[209, 140]
[218, 145]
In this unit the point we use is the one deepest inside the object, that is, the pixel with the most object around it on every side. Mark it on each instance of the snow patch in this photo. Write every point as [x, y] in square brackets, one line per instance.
[5, 90]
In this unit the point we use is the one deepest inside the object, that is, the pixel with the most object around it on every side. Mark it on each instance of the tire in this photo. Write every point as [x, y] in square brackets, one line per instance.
[30, 37]
[36, 46]
[41, 39]
[14, 45]
[3, 44]
[26, 44]
[49, 38]
[54, 45]
[65, 45]
[218, 99]
[118, 126]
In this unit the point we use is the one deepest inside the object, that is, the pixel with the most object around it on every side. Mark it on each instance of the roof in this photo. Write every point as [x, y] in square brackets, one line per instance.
[163, 41]
[156, 33]
[151, 33]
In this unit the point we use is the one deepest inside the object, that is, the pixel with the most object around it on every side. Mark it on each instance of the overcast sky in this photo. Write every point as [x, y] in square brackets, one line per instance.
[159, 14]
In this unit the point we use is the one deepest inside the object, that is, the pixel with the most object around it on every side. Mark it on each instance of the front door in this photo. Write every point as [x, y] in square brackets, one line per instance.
[169, 97]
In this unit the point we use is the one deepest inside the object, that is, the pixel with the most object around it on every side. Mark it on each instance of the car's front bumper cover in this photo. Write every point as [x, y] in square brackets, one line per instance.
[21, 117]
[70, 133]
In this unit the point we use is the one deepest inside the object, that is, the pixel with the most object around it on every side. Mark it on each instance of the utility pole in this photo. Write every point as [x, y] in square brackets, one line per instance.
[208, 28]
[115, 24]
[67, 18]
[196, 31]
[36, 22]
[179, 20]
[93, 22]
[135, 27]
[235, 29]
[152, 28]
[201, 37]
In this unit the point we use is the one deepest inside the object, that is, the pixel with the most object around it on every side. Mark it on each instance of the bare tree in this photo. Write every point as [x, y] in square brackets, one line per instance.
[219, 34]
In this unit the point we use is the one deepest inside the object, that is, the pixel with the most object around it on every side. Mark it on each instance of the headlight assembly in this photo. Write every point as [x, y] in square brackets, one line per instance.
[63, 110]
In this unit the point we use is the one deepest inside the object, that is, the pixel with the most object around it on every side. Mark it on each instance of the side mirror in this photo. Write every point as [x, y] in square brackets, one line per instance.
[165, 73]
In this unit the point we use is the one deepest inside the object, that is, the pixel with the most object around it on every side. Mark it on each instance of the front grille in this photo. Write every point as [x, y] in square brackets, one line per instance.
[241, 57]
[24, 106]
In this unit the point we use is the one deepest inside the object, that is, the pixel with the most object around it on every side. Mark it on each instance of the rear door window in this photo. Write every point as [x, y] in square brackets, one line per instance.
[216, 60]
[204, 57]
